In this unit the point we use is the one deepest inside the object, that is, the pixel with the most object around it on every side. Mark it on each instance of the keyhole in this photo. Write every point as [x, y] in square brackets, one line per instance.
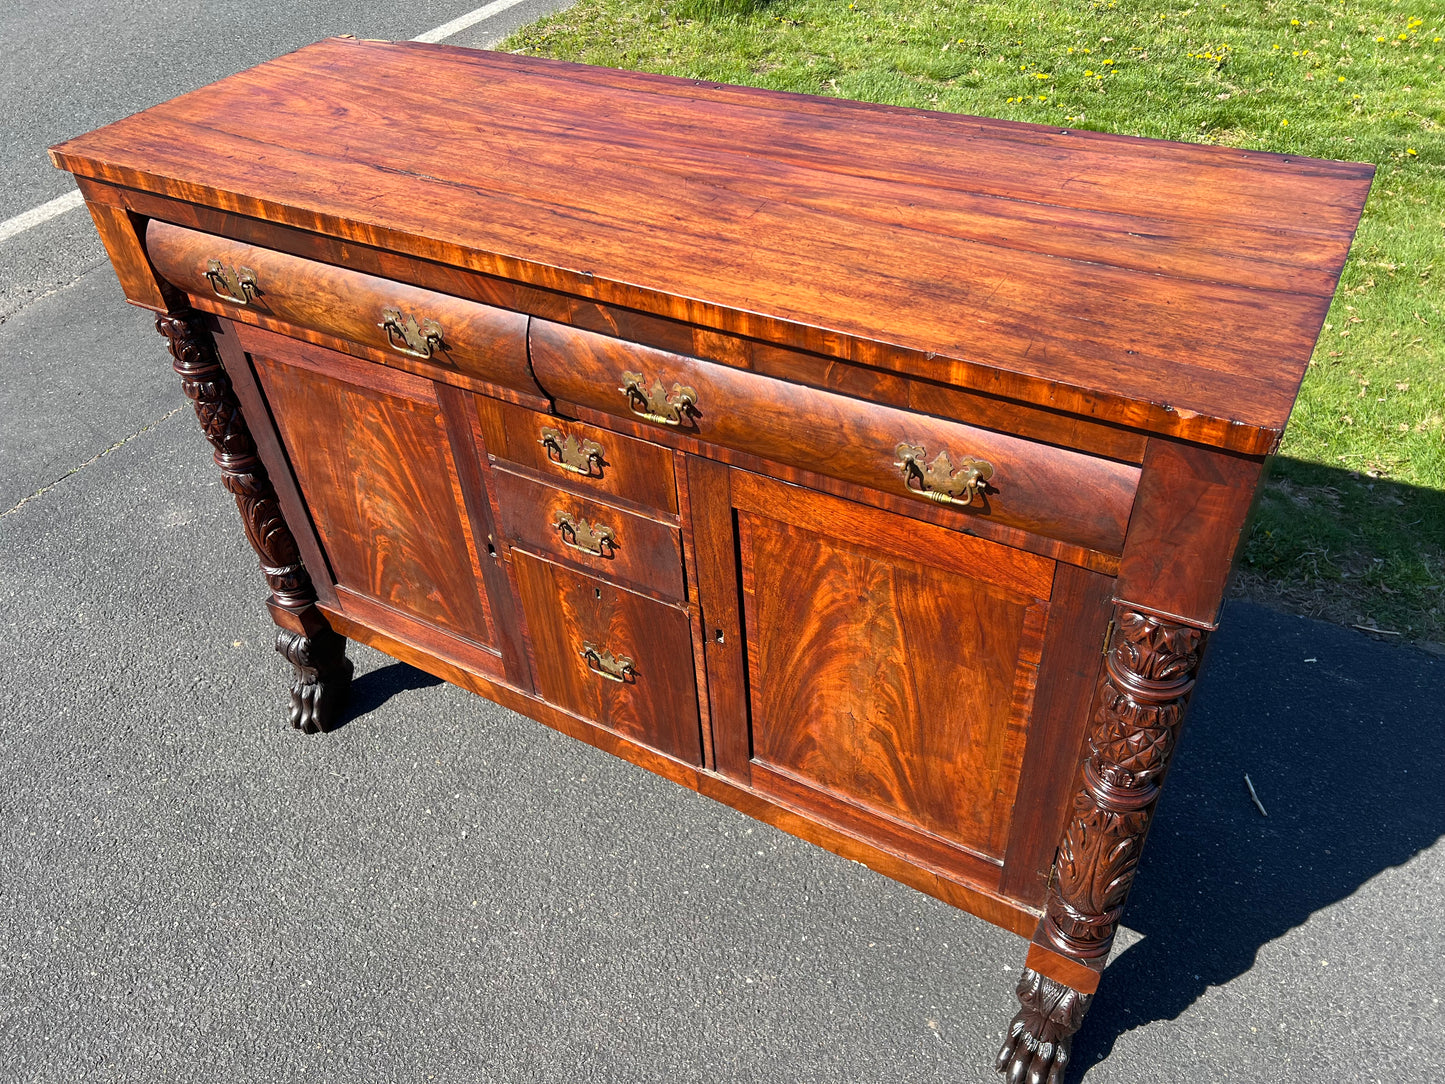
[597, 591]
[718, 636]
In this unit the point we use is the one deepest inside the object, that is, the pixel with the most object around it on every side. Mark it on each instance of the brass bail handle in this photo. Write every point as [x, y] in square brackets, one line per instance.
[655, 403]
[594, 539]
[940, 480]
[573, 455]
[236, 285]
[406, 336]
[607, 665]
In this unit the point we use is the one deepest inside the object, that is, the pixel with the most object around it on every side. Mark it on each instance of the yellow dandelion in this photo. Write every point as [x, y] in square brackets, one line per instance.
[1412, 152]
[1342, 79]
[1284, 124]
[1089, 71]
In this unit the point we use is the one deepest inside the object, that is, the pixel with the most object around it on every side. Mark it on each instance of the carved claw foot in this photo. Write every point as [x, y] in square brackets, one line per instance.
[1036, 1048]
[323, 678]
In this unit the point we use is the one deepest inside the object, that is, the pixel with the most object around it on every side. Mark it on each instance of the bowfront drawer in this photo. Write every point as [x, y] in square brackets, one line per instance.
[977, 472]
[620, 546]
[593, 461]
[612, 656]
[410, 327]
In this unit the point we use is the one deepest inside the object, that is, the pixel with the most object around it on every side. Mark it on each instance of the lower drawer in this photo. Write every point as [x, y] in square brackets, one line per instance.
[617, 658]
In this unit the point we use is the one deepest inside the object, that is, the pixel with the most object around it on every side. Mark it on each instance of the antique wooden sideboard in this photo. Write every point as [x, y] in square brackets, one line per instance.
[877, 472]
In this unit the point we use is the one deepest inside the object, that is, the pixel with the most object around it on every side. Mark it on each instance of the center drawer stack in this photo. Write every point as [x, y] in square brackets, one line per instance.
[591, 521]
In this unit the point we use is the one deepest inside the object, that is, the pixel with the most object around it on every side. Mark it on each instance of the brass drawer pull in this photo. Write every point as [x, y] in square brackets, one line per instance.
[607, 665]
[573, 455]
[406, 337]
[236, 285]
[593, 539]
[941, 481]
[655, 404]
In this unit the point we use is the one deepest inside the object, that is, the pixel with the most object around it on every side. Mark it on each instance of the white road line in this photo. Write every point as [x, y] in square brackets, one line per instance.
[71, 200]
[471, 18]
[36, 215]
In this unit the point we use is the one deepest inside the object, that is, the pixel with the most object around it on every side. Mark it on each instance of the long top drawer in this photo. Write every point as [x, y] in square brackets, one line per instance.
[404, 324]
[976, 472]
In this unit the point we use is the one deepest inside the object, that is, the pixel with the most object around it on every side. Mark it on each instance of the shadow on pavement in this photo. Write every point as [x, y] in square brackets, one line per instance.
[1341, 737]
[371, 690]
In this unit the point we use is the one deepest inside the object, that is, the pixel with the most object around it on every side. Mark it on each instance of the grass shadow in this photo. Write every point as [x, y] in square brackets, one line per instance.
[1349, 547]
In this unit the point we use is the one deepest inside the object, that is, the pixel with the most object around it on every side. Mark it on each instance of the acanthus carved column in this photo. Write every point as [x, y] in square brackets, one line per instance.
[323, 672]
[1149, 674]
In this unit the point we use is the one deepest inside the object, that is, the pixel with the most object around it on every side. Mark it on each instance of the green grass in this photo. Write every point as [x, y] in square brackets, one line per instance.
[1352, 523]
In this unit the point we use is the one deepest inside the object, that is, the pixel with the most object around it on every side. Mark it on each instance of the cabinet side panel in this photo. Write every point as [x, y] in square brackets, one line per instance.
[375, 468]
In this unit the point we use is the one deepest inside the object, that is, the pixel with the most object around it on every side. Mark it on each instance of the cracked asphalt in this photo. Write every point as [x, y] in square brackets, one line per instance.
[443, 890]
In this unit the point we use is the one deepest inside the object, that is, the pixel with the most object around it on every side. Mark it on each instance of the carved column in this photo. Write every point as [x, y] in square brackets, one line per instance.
[323, 672]
[1149, 674]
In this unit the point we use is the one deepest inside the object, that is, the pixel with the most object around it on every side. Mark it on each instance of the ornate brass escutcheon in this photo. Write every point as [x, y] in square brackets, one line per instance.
[655, 404]
[607, 665]
[940, 480]
[234, 284]
[594, 539]
[573, 455]
[405, 336]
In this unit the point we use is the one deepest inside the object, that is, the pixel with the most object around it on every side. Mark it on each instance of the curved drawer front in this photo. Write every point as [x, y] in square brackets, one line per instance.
[1068, 495]
[408, 325]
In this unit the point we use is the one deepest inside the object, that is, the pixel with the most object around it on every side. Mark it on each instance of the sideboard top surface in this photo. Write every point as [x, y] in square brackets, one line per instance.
[1172, 287]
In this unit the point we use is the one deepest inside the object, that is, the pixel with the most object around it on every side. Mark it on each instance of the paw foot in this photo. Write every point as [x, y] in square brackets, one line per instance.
[323, 679]
[1037, 1045]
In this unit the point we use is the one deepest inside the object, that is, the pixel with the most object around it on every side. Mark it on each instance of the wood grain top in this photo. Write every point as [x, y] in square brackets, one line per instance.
[1171, 287]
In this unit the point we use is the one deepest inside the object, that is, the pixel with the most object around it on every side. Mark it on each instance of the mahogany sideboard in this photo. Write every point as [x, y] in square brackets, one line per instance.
[877, 472]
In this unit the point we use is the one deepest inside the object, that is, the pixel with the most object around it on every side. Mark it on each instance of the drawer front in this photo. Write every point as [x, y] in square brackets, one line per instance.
[618, 546]
[1051, 491]
[612, 656]
[590, 460]
[410, 327]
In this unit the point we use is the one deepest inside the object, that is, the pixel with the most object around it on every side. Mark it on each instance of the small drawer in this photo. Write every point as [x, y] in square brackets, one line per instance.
[410, 327]
[617, 658]
[618, 546]
[590, 460]
[1063, 494]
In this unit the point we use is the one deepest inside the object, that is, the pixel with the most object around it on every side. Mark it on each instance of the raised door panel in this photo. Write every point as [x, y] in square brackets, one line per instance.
[891, 670]
[372, 460]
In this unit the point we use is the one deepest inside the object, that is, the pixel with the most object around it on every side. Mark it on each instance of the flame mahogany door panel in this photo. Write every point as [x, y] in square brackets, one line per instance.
[891, 671]
[370, 453]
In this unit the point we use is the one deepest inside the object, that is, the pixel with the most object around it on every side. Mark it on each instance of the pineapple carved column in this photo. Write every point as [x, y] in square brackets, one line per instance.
[1149, 674]
[305, 639]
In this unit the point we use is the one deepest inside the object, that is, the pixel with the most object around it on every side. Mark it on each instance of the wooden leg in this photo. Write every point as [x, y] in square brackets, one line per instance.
[1148, 677]
[323, 673]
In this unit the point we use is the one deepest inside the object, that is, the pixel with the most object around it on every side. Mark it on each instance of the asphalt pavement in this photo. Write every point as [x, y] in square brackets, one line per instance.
[443, 890]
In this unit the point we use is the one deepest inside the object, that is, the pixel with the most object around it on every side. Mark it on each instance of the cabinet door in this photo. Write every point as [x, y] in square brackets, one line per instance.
[370, 453]
[890, 671]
